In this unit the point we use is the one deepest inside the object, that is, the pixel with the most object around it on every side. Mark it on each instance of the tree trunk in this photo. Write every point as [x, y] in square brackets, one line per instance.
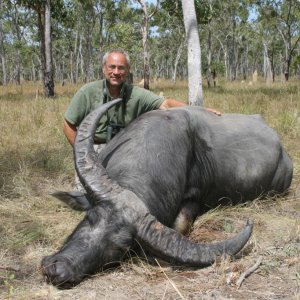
[234, 52]
[48, 83]
[87, 54]
[194, 53]
[42, 44]
[75, 55]
[179, 51]
[267, 65]
[2, 53]
[33, 71]
[209, 55]
[146, 56]
[17, 73]
[145, 45]
[80, 61]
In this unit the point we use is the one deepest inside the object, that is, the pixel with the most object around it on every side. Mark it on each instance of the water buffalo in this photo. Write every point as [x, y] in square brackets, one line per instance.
[155, 177]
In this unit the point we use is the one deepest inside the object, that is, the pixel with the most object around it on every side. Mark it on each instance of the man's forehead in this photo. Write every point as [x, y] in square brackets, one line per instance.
[117, 58]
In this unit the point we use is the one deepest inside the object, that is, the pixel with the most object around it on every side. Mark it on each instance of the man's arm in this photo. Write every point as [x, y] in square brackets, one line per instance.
[70, 131]
[169, 102]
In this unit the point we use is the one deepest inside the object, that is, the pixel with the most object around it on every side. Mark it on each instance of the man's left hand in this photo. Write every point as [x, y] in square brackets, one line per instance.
[216, 112]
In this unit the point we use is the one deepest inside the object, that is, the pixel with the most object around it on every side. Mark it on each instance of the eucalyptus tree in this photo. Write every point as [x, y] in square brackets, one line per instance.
[17, 19]
[289, 28]
[285, 17]
[2, 45]
[266, 30]
[16, 38]
[88, 21]
[171, 38]
[170, 41]
[223, 28]
[208, 12]
[194, 53]
[145, 33]
[48, 80]
[44, 11]
[18, 51]
[235, 16]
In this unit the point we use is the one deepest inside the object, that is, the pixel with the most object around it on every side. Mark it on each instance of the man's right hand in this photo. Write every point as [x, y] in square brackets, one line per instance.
[70, 131]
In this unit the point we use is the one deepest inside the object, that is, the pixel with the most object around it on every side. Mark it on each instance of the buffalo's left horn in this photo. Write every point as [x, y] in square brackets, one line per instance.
[173, 247]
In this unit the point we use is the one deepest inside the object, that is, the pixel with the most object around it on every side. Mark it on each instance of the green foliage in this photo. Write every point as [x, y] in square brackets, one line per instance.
[228, 227]
[9, 283]
[291, 250]
[296, 63]
[59, 8]
[82, 30]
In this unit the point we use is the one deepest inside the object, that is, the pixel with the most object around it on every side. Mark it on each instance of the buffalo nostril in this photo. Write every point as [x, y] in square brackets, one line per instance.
[57, 273]
[62, 271]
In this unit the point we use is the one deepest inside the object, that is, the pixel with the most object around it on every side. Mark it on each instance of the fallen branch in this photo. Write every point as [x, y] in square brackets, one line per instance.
[248, 272]
[9, 269]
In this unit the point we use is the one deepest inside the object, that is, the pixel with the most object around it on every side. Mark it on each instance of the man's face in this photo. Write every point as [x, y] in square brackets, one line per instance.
[116, 69]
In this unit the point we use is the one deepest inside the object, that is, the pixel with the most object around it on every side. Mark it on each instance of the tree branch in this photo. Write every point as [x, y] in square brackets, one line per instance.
[248, 272]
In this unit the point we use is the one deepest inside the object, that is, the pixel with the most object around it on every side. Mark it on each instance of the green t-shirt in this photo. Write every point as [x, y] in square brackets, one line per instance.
[137, 101]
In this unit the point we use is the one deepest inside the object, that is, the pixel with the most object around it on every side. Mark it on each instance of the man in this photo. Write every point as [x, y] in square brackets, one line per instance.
[136, 101]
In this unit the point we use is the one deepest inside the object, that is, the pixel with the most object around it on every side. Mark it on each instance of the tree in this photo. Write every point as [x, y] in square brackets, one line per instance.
[43, 11]
[145, 32]
[16, 17]
[2, 49]
[48, 82]
[284, 17]
[267, 65]
[194, 53]
[233, 42]
[171, 37]
[208, 11]
[289, 27]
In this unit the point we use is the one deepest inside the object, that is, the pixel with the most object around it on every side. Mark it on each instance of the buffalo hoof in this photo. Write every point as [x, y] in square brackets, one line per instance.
[58, 272]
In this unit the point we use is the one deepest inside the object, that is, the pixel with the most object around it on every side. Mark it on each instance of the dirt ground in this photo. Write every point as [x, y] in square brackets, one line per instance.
[274, 248]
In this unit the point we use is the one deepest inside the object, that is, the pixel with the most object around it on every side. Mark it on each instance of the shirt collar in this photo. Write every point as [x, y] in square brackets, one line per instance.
[122, 93]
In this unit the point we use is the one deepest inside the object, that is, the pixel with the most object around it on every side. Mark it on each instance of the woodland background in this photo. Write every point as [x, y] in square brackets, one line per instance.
[237, 38]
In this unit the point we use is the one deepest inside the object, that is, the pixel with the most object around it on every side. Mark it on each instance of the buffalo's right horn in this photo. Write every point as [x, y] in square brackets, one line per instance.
[91, 173]
[173, 247]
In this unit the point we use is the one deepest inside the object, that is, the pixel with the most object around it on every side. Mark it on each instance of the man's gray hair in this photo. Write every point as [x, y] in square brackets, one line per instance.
[104, 59]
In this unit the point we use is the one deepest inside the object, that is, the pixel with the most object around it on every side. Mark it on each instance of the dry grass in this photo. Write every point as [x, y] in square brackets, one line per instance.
[35, 156]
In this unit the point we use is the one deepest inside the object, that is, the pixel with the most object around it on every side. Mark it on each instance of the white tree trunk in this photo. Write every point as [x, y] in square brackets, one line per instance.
[267, 65]
[49, 82]
[194, 53]
[178, 55]
[2, 52]
[145, 29]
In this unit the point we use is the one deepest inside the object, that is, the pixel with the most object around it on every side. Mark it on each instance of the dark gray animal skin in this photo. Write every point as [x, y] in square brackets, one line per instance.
[161, 172]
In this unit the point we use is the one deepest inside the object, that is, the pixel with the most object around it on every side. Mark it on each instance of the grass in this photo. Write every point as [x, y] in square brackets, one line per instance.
[35, 157]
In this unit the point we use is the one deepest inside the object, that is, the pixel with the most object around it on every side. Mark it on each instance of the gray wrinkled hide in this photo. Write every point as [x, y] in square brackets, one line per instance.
[191, 158]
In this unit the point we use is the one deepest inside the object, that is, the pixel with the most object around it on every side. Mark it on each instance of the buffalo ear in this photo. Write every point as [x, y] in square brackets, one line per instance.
[76, 200]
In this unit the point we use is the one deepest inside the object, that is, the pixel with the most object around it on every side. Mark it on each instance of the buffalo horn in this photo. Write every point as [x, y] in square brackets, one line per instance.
[173, 247]
[91, 173]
